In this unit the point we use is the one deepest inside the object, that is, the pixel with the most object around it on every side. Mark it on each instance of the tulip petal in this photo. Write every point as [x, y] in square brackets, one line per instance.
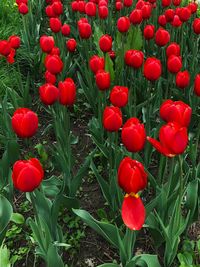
[133, 212]
[158, 146]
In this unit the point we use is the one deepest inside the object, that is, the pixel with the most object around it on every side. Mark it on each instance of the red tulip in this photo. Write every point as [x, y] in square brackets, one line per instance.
[123, 24]
[71, 45]
[176, 2]
[197, 85]
[48, 94]
[81, 6]
[133, 212]
[173, 140]
[133, 135]
[74, 6]
[146, 11]
[169, 14]
[118, 6]
[55, 24]
[132, 177]
[128, 3]
[134, 58]
[176, 21]
[174, 64]
[11, 57]
[105, 43]
[173, 49]
[90, 9]
[49, 77]
[196, 26]
[166, 3]
[152, 69]
[14, 41]
[103, 12]
[5, 48]
[27, 175]
[182, 79]
[46, 43]
[119, 96]
[65, 30]
[96, 63]
[55, 51]
[23, 9]
[57, 7]
[53, 64]
[162, 20]
[112, 119]
[136, 16]
[162, 37]
[85, 30]
[24, 122]
[193, 7]
[67, 92]
[102, 80]
[176, 111]
[184, 14]
[149, 32]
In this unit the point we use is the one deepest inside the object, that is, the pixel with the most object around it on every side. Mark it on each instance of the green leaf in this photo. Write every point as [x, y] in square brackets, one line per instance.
[17, 218]
[5, 215]
[134, 39]
[145, 260]
[97, 34]
[109, 265]
[109, 66]
[53, 258]
[4, 257]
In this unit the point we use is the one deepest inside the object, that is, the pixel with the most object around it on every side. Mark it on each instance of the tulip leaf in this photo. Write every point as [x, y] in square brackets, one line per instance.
[109, 265]
[4, 256]
[192, 199]
[53, 258]
[144, 260]
[97, 34]
[109, 66]
[5, 215]
[134, 39]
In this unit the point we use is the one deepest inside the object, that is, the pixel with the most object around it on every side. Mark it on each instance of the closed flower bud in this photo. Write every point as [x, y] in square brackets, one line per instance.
[96, 63]
[102, 80]
[105, 43]
[196, 26]
[169, 14]
[71, 45]
[132, 177]
[5, 48]
[123, 24]
[54, 64]
[90, 9]
[134, 58]
[173, 139]
[146, 11]
[173, 49]
[133, 135]
[65, 30]
[103, 12]
[27, 174]
[57, 8]
[85, 30]
[112, 119]
[119, 96]
[152, 69]
[136, 16]
[176, 111]
[149, 32]
[49, 77]
[197, 85]
[162, 20]
[176, 2]
[67, 92]
[166, 3]
[24, 122]
[128, 3]
[118, 6]
[14, 41]
[48, 94]
[182, 79]
[162, 37]
[46, 43]
[184, 14]
[23, 9]
[174, 64]
[176, 21]
[55, 24]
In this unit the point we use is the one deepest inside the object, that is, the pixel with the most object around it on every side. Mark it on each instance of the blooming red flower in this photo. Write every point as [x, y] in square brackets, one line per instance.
[57, 7]
[174, 64]
[176, 111]
[118, 6]
[182, 79]
[105, 43]
[193, 7]
[90, 9]
[24, 122]
[134, 58]
[162, 20]
[169, 14]
[184, 14]
[133, 135]
[103, 12]
[176, 21]
[146, 11]
[102, 80]
[112, 119]
[123, 24]
[173, 49]
[85, 30]
[46, 43]
[162, 37]
[149, 32]
[53, 64]
[166, 3]
[176, 2]
[71, 45]
[119, 96]
[67, 92]
[27, 175]
[128, 3]
[197, 85]
[48, 94]
[173, 139]
[136, 16]
[152, 69]
[96, 63]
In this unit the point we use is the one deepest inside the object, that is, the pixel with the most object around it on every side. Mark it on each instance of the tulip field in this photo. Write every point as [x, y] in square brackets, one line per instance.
[99, 133]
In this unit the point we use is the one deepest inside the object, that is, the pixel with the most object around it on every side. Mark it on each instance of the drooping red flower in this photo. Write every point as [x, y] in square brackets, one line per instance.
[67, 94]
[112, 119]
[152, 69]
[119, 96]
[133, 135]
[173, 139]
[176, 111]
[27, 175]
[24, 122]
